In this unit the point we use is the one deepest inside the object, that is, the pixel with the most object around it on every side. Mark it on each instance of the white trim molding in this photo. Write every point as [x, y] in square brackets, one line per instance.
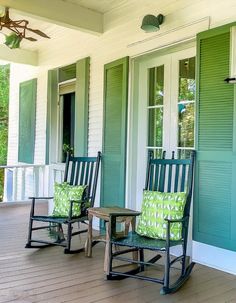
[60, 12]
[21, 56]
[214, 257]
[233, 52]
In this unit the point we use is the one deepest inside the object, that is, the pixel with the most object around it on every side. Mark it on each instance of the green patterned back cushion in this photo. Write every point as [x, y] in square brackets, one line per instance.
[156, 207]
[63, 193]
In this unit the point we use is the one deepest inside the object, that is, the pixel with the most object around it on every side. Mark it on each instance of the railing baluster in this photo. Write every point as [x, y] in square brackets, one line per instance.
[36, 181]
[22, 181]
[22, 184]
[14, 186]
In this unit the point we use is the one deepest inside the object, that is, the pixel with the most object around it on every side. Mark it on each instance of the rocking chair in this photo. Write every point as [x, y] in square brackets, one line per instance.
[78, 171]
[165, 176]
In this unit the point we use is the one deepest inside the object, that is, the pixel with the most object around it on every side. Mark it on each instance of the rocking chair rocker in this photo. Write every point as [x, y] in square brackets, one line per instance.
[165, 176]
[78, 171]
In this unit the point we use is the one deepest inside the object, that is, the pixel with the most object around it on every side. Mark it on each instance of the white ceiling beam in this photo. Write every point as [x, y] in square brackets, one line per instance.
[18, 55]
[59, 12]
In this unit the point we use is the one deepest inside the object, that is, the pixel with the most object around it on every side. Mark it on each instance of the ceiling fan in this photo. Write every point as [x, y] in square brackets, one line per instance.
[19, 29]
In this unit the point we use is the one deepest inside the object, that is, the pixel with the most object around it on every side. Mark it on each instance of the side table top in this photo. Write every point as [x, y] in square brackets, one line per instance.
[104, 212]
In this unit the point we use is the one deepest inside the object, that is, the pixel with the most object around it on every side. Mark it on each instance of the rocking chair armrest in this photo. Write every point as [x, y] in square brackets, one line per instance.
[182, 220]
[76, 201]
[41, 198]
[34, 199]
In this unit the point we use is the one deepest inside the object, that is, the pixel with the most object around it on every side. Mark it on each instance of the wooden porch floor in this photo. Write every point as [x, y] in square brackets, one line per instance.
[47, 275]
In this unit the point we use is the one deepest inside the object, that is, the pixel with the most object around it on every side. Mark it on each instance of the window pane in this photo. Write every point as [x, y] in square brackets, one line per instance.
[155, 127]
[157, 152]
[187, 79]
[184, 153]
[186, 125]
[156, 85]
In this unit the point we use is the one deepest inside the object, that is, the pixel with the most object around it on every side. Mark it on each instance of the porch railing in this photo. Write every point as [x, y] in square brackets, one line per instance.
[23, 181]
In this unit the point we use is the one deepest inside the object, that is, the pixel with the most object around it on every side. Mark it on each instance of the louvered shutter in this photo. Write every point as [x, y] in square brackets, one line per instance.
[27, 119]
[81, 106]
[51, 126]
[215, 190]
[114, 133]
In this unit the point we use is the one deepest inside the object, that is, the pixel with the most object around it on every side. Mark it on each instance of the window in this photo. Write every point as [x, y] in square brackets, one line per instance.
[170, 103]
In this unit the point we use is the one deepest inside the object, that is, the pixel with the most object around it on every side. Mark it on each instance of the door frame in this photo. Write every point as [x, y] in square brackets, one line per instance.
[137, 122]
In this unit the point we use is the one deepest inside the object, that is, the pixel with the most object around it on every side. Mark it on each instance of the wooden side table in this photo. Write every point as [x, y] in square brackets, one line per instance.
[104, 214]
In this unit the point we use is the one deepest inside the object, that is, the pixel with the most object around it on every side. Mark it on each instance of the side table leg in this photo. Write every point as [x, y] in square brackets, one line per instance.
[88, 243]
[133, 225]
[107, 250]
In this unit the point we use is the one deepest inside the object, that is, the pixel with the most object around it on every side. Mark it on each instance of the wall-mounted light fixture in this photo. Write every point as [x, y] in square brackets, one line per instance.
[152, 23]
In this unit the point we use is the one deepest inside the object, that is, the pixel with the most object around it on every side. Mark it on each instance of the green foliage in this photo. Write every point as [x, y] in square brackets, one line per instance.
[186, 126]
[4, 101]
[67, 149]
[186, 112]
[186, 89]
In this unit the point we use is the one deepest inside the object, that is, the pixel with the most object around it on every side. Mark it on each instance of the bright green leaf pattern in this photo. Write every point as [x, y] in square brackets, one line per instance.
[63, 194]
[157, 207]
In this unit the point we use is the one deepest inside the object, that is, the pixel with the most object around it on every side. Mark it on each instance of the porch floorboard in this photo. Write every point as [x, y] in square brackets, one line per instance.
[48, 275]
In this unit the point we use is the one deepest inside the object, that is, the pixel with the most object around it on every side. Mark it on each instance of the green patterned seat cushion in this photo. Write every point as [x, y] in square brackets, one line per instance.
[63, 193]
[157, 206]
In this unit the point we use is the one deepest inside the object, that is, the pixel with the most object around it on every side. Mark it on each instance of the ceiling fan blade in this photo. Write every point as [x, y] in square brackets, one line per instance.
[38, 32]
[30, 38]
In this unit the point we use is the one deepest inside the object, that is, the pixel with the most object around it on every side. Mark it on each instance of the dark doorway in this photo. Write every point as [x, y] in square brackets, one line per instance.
[68, 123]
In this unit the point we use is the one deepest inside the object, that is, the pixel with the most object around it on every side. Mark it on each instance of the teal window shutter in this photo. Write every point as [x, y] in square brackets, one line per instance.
[215, 192]
[81, 106]
[27, 119]
[51, 123]
[114, 133]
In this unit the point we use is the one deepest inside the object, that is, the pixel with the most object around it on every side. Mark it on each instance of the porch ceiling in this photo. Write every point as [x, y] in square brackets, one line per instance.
[57, 18]
[102, 6]
[76, 18]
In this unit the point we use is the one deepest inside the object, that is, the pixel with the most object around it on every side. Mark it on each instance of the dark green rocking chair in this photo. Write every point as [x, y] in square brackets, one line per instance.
[78, 171]
[163, 175]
